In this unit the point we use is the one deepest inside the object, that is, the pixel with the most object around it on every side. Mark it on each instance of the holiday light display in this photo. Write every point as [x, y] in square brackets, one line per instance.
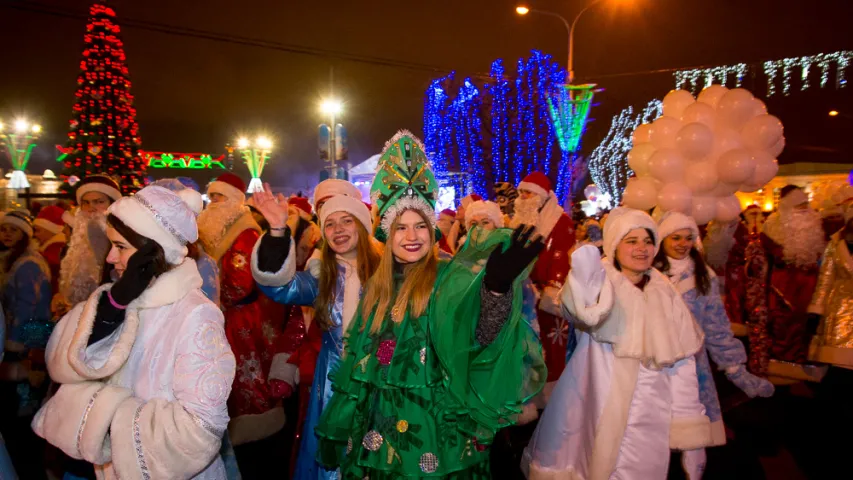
[104, 136]
[183, 160]
[19, 140]
[608, 163]
[697, 78]
[255, 155]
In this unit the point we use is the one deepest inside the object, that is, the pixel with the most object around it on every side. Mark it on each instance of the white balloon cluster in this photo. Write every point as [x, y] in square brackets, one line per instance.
[703, 150]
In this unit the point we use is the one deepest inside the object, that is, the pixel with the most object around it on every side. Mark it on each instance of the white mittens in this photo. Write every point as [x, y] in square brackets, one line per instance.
[588, 271]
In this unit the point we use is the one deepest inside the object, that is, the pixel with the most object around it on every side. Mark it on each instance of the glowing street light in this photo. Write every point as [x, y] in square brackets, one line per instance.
[332, 107]
[522, 10]
[19, 144]
[833, 113]
[332, 136]
[256, 156]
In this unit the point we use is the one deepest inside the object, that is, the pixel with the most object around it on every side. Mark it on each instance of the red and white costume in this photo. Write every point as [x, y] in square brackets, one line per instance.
[50, 219]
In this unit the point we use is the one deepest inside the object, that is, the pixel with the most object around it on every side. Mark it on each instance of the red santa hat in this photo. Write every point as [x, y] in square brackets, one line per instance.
[335, 186]
[469, 199]
[301, 204]
[50, 219]
[345, 203]
[163, 216]
[100, 184]
[230, 186]
[447, 212]
[490, 209]
[536, 182]
[20, 219]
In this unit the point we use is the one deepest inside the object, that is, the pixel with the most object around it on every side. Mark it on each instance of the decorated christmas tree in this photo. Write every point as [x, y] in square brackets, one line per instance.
[103, 135]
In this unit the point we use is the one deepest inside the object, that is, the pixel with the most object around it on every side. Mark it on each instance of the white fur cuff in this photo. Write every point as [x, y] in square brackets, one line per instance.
[690, 433]
[591, 316]
[283, 276]
[281, 370]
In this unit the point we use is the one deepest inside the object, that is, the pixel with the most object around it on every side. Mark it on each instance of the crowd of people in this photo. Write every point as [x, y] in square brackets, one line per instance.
[150, 336]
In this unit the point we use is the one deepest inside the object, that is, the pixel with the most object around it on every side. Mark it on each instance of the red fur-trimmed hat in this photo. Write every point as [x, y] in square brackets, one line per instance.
[50, 219]
[303, 205]
[100, 184]
[229, 185]
[536, 182]
[448, 212]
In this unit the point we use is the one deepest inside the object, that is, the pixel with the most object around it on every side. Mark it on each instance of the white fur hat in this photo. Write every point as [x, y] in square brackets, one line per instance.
[487, 208]
[620, 222]
[672, 222]
[21, 219]
[163, 216]
[348, 204]
[335, 186]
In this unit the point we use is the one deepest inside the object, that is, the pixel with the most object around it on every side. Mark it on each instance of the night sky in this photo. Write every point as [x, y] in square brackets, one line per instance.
[195, 94]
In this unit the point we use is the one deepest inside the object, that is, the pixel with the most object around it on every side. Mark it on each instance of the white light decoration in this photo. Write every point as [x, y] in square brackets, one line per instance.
[608, 163]
[841, 59]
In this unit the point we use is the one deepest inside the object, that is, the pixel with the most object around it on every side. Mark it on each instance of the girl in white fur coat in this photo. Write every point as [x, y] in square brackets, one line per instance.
[629, 393]
[144, 364]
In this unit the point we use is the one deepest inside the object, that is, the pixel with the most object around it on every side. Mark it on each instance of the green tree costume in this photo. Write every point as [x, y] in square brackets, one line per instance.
[422, 398]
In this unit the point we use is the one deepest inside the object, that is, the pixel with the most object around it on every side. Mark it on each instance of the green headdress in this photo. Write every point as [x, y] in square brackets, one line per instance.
[404, 181]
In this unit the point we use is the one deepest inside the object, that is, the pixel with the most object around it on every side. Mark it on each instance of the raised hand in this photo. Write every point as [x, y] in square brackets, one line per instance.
[504, 266]
[273, 208]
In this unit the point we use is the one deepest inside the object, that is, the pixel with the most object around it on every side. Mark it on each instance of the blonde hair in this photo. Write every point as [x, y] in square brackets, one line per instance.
[413, 295]
[367, 257]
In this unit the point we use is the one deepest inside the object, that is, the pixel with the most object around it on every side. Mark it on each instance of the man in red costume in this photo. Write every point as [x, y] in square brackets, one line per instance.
[445, 222]
[794, 242]
[48, 227]
[253, 325]
[538, 205]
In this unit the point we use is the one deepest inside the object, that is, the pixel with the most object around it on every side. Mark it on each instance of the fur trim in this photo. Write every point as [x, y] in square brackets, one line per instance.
[58, 238]
[352, 206]
[718, 434]
[400, 206]
[614, 417]
[281, 370]
[47, 225]
[532, 187]
[141, 220]
[484, 207]
[62, 419]
[107, 190]
[283, 276]
[166, 289]
[250, 428]
[838, 356]
[229, 191]
[620, 222]
[22, 225]
[795, 371]
[590, 316]
[96, 429]
[550, 214]
[689, 433]
[242, 223]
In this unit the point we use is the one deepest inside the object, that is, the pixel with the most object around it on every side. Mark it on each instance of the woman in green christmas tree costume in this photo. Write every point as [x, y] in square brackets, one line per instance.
[439, 357]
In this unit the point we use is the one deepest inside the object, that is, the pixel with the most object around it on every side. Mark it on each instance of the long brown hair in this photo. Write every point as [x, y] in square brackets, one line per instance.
[368, 260]
[140, 242]
[700, 268]
[415, 292]
[16, 251]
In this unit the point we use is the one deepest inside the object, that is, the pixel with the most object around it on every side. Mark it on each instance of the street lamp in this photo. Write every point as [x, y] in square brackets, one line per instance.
[20, 143]
[570, 27]
[255, 154]
[333, 108]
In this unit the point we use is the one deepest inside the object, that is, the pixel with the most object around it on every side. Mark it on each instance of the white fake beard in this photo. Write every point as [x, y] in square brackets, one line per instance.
[803, 241]
[81, 268]
[213, 222]
[526, 212]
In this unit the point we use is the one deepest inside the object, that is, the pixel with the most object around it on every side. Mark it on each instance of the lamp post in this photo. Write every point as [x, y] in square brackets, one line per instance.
[255, 155]
[333, 108]
[570, 27]
[20, 140]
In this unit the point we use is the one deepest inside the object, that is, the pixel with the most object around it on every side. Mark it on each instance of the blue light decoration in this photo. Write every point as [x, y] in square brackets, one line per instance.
[608, 163]
[516, 138]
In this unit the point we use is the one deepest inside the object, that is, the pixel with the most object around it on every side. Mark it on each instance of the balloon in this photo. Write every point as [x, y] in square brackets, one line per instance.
[735, 108]
[749, 188]
[666, 165]
[728, 208]
[725, 139]
[712, 94]
[676, 197]
[664, 131]
[640, 193]
[766, 167]
[638, 158]
[777, 148]
[700, 112]
[735, 166]
[724, 189]
[591, 191]
[695, 140]
[762, 132]
[701, 177]
[758, 107]
[704, 209]
[642, 134]
[676, 101]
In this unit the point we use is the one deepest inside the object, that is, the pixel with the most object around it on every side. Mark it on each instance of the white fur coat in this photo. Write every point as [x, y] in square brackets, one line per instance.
[148, 401]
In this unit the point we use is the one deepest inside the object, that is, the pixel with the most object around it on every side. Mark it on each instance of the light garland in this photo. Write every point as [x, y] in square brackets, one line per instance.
[698, 78]
[608, 163]
[196, 161]
[499, 89]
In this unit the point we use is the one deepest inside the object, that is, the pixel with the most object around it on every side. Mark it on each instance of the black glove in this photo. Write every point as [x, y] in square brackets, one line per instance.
[273, 251]
[504, 266]
[136, 277]
[812, 323]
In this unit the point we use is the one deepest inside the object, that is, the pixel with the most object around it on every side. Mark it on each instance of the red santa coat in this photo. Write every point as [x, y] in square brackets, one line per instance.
[550, 270]
[52, 253]
[735, 284]
[254, 327]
